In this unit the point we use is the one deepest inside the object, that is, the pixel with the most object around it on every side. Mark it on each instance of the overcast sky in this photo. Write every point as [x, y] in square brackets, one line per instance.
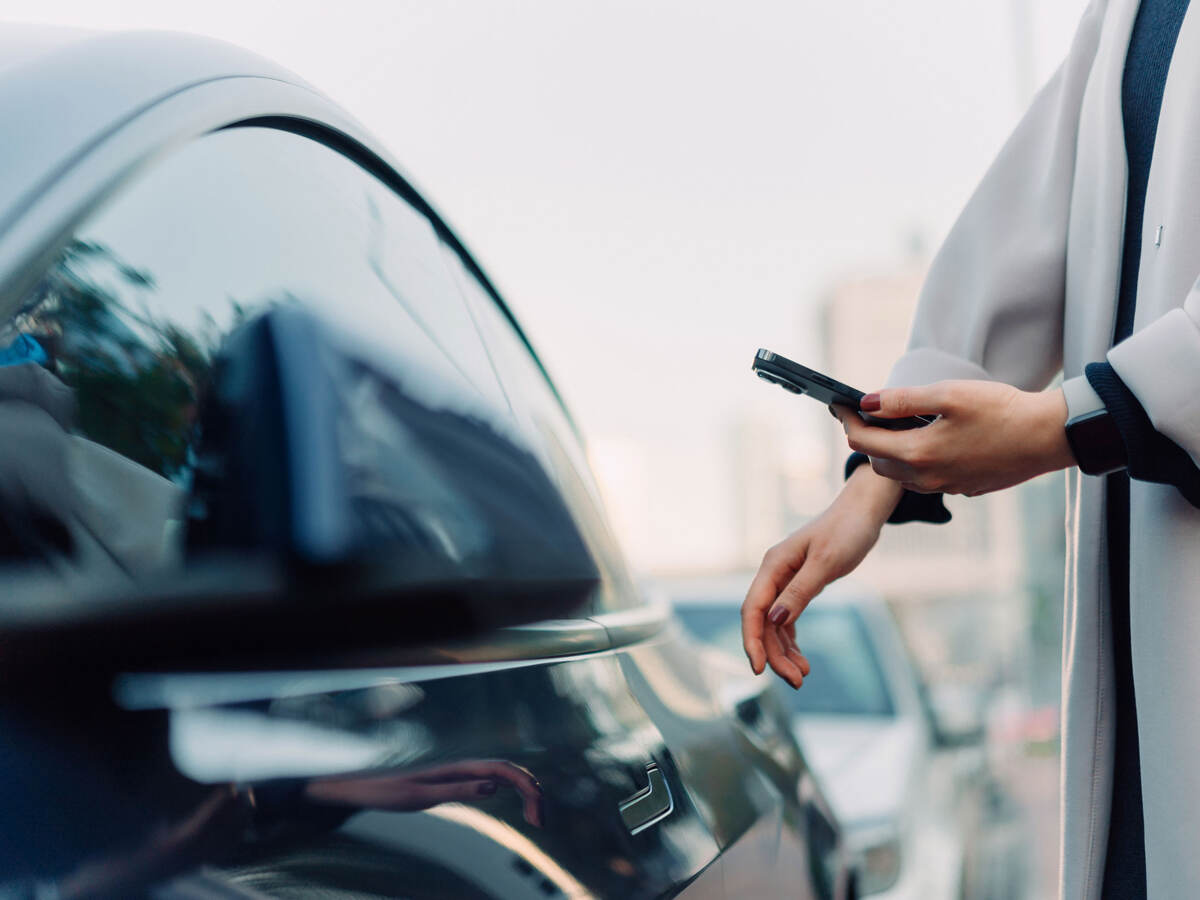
[661, 187]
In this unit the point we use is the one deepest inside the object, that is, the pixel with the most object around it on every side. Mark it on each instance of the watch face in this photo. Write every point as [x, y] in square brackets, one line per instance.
[1096, 443]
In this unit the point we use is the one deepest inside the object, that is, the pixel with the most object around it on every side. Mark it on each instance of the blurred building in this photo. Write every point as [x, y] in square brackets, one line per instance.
[658, 490]
[759, 486]
[777, 478]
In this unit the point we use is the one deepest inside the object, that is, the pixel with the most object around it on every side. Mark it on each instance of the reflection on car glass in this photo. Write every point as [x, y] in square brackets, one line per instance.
[108, 510]
[135, 376]
[22, 349]
[122, 389]
[421, 462]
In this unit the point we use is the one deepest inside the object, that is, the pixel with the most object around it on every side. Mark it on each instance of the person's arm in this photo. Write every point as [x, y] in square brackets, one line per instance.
[798, 567]
[912, 506]
[990, 436]
[991, 308]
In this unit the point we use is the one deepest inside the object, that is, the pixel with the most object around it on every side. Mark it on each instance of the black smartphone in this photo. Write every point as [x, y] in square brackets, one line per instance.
[791, 376]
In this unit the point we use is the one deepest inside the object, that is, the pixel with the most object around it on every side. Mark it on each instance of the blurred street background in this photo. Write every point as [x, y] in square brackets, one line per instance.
[661, 188]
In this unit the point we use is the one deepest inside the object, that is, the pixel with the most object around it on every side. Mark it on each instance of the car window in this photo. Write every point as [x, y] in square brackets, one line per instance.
[552, 435]
[847, 680]
[115, 343]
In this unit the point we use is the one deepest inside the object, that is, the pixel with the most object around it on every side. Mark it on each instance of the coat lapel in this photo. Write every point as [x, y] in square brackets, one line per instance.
[1169, 263]
[1098, 200]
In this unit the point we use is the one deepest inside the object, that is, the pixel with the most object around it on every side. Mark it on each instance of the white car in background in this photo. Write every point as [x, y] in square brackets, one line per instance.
[865, 727]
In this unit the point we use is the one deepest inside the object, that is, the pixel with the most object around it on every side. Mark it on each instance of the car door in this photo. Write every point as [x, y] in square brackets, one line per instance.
[514, 763]
[733, 747]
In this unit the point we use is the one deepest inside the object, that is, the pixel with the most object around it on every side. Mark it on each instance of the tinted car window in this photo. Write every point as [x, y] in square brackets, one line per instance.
[553, 437]
[116, 341]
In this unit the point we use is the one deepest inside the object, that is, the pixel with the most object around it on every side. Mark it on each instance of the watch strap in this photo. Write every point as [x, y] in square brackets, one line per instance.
[1092, 432]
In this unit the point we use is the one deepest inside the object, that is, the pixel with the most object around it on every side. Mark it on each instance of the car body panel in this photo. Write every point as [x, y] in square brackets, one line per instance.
[590, 756]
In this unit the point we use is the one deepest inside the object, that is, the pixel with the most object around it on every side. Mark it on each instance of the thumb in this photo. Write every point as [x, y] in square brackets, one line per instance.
[902, 402]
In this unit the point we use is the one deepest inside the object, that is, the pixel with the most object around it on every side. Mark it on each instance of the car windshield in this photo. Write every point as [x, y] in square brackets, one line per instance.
[846, 678]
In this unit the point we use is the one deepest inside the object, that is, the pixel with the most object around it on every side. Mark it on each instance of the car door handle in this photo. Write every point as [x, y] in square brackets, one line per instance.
[651, 804]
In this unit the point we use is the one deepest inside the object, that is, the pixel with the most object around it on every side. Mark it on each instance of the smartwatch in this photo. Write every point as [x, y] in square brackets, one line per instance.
[1092, 434]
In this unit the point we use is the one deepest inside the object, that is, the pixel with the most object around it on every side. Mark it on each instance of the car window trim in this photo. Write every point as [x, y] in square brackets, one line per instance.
[361, 155]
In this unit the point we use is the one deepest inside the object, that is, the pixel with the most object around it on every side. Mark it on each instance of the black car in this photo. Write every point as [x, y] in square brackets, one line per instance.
[307, 591]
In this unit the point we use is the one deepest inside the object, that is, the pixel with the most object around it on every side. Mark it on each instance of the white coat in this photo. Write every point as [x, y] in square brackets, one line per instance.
[1026, 284]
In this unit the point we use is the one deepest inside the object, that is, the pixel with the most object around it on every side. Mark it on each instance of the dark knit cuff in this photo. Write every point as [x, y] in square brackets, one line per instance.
[1151, 456]
[913, 507]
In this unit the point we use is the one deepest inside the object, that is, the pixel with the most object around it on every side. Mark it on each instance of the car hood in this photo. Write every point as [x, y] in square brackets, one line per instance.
[867, 765]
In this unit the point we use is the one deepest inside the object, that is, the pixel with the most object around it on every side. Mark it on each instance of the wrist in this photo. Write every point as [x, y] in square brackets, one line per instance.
[1097, 444]
[1051, 423]
[877, 494]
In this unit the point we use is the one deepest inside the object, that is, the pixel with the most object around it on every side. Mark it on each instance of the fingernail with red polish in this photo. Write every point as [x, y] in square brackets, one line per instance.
[778, 615]
[870, 402]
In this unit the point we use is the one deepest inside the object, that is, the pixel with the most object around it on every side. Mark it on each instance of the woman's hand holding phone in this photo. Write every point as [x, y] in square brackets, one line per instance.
[988, 436]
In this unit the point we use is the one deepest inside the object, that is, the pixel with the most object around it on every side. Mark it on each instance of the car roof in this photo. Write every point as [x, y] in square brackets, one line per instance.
[62, 90]
[21, 44]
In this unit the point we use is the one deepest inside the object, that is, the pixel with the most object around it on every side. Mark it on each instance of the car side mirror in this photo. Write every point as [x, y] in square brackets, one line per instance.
[342, 500]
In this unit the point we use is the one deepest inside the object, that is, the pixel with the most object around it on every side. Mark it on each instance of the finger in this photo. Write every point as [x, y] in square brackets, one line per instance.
[784, 667]
[893, 469]
[758, 598]
[453, 791]
[492, 769]
[801, 661]
[900, 403]
[398, 794]
[875, 441]
[532, 809]
[763, 591]
[844, 413]
[798, 593]
[788, 637]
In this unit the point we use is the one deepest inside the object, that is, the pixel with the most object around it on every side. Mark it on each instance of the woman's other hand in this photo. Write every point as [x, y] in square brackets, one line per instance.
[988, 436]
[798, 568]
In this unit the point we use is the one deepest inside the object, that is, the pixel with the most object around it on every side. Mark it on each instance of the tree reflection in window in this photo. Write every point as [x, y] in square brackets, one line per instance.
[137, 379]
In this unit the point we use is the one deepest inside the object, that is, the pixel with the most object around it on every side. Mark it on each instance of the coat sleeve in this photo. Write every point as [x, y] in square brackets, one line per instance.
[992, 304]
[1160, 365]
[1149, 454]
